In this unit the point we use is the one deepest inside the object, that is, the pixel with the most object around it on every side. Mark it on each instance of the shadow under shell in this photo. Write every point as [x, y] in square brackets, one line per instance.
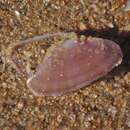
[73, 65]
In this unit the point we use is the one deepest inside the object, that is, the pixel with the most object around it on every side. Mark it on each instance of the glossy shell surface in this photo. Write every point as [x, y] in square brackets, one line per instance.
[73, 65]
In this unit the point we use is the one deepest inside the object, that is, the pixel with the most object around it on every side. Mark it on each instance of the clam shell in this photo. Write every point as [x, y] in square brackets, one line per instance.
[73, 65]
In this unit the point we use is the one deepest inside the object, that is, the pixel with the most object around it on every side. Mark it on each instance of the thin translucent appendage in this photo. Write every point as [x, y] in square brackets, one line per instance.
[17, 63]
[41, 37]
[127, 7]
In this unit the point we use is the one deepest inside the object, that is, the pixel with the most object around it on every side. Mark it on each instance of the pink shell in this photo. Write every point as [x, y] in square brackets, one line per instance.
[73, 65]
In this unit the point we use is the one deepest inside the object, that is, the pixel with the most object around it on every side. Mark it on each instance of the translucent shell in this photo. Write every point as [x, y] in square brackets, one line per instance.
[73, 65]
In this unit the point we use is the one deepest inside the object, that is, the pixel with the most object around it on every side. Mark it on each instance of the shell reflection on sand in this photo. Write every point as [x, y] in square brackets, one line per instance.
[73, 65]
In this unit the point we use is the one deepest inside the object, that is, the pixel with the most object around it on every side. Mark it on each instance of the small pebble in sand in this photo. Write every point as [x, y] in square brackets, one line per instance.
[17, 13]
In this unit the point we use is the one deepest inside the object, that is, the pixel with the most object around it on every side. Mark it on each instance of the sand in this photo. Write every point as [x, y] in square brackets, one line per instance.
[103, 105]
